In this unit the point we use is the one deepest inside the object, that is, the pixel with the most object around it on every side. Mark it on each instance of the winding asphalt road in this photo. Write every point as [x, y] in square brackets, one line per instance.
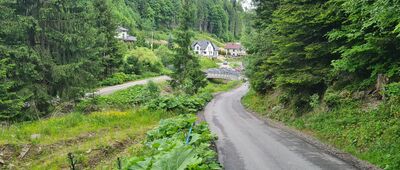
[247, 143]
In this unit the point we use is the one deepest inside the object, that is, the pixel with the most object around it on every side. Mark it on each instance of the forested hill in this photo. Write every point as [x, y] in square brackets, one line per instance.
[331, 67]
[54, 51]
[219, 17]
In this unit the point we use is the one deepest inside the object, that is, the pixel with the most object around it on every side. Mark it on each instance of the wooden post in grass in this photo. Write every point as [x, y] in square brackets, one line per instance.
[71, 161]
[119, 163]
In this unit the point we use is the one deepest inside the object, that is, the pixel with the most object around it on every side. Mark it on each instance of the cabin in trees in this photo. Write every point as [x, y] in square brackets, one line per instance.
[205, 48]
[234, 50]
[122, 34]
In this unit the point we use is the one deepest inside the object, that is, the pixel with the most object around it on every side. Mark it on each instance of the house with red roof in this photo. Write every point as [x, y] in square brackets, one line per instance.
[234, 50]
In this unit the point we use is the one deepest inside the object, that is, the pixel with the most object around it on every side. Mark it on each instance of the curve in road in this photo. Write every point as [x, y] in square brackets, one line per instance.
[247, 143]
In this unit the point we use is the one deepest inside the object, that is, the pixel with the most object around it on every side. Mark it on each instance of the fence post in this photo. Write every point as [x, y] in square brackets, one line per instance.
[71, 161]
[188, 136]
[119, 163]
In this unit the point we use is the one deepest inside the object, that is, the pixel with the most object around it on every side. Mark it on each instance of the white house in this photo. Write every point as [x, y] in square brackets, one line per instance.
[122, 34]
[234, 49]
[205, 48]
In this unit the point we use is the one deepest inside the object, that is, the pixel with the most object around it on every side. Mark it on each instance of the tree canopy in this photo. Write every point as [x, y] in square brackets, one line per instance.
[305, 47]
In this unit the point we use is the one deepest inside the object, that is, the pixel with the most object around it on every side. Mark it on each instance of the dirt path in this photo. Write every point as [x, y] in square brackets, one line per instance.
[112, 89]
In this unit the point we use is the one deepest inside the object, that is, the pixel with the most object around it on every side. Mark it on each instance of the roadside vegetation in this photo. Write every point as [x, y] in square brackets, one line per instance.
[177, 143]
[215, 86]
[101, 129]
[329, 68]
[207, 63]
[366, 130]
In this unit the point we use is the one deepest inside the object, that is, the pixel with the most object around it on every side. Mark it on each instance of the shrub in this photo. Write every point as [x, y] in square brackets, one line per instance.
[166, 147]
[166, 55]
[146, 58]
[392, 90]
[314, 101]
[332, 98]
[118, 78]
[181, 103]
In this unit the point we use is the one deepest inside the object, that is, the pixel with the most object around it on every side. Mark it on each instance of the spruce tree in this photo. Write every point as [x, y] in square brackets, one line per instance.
[187, 75]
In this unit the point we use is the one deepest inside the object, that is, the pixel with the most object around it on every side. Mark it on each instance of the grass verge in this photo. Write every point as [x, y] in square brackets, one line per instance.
[50, 140]
[370, 134]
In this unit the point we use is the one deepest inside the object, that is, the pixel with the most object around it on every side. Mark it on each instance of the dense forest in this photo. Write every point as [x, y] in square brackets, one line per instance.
[220, 17]
[332, 67]
[55, 51]
[311, 47]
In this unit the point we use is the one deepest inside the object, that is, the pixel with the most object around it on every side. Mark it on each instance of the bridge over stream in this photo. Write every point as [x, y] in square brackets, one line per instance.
[223, 73]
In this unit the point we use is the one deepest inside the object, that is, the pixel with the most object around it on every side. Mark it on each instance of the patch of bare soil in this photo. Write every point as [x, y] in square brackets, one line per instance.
[14, 154]
[96, 156]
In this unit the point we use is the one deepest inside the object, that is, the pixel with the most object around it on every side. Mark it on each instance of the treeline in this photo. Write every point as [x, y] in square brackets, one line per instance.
[56, 51]
[310, 48]
[52, 51]
[220, 17]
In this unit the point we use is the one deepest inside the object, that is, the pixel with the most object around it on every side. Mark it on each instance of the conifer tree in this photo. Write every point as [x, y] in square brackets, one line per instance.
[187, 75]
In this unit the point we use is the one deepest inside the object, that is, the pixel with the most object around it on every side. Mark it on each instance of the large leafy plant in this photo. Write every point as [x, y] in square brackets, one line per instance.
[167, 148]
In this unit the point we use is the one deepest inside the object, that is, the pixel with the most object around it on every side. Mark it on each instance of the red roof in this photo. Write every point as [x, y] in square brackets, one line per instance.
[233, 46]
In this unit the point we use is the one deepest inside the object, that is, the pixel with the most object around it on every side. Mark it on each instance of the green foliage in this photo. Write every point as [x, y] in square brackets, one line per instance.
[117, 78]
[124, 99]
[366, 40]
[166, 55]
[366, 132]
[215, 86]
[49, 43]
[207, 63]
[187, 75]
[181, 103]
[304, 47]
[392, 90]
[10, 103]
[314, 101]
[302, 50]
[132, 66]
[166, 148]
[146, 58]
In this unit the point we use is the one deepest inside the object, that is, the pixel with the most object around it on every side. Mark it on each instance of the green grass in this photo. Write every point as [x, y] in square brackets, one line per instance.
[207, 63]
[206, 36]
[110, 120]
[116, 129]
[215, 86]
[369, 134]
[72, 125]
[86, 132]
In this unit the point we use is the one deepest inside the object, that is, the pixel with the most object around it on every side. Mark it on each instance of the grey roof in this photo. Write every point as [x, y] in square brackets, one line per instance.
[204, 43]
[122, 29]
[130, 38]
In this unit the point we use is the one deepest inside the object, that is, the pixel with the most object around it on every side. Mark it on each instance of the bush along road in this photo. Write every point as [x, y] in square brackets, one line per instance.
[245, 142]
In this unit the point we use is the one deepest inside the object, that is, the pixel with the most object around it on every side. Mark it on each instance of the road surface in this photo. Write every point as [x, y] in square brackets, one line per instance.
[247, 143]
[112, 89]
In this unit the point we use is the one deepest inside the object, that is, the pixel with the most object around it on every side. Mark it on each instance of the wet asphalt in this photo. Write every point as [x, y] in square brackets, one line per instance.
[248, 143]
